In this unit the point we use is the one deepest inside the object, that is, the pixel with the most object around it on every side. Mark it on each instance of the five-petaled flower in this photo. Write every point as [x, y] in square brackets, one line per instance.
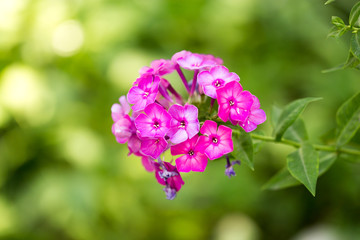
[256, 116]
[144, 93]
[193, 159]
[215, 142]
[154, 123]
[184, 124]
[234, 103]
[216, 78]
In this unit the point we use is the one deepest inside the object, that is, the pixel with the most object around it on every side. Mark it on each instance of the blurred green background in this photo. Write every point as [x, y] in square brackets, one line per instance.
[63, 63]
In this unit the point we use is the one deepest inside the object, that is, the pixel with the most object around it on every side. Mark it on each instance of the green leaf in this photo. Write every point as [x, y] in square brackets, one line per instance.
[257, 144]
[338, 22]
[296, 132]
[303, 165]
[337, 32]
[326, 160]
[348, 120]
[275, 115]
[351, 62]
[355, 44]
[290, 114]
[329, 1]
[354, 15]
[283, 178]
[243, 148]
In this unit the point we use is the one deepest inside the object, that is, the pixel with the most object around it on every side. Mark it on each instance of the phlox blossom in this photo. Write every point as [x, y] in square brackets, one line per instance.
[154, 123]
[167, 174]
[193, 159]
[120, 110]
[153, 147]
[256, 116]
[195, 61]
[144, 93]
[215, 78]
[234, 103]
[122, 129]
[184, 123]
[215, 142]
[158, 67]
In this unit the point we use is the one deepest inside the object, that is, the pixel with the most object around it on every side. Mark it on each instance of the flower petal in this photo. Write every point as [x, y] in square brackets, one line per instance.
[183, 163]
[179, 137]
[199, 162]
[209, 127]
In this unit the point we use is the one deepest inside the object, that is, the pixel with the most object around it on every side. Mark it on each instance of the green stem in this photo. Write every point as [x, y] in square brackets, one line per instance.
[316, 146]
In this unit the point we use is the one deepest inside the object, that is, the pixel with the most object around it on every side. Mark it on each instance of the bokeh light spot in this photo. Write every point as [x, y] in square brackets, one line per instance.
[68, 38]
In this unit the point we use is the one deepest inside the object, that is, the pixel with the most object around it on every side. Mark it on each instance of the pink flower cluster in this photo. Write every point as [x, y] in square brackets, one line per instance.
[162, 119]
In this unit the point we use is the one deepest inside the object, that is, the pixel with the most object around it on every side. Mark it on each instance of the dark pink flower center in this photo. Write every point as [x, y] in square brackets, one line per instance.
[156, 124]
[191, 152]
[231, 102]
[146, 94]
[182, 124]
[214, 140]
[218, 83]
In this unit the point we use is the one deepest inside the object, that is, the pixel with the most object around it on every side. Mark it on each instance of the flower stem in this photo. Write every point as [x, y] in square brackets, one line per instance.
[181, 74]
[211, 105]
[316, 146]
[193, 87]
[178, 97]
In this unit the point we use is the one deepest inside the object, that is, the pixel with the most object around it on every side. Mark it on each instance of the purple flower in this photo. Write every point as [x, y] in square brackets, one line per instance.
[215, 142]
[156, 122]
[216, 78]
[195, 61]
[167, 174]
[144, 93]
[256, 116]
[184, 123]
[153, 147]
[234, 103]
[193, 158]
[120, 110]
[229, 168]
[158, 67]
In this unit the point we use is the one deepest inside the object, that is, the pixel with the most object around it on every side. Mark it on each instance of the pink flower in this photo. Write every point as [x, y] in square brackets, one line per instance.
[123, 129]
[156, 122]
[256, 116]
[153, 147]
[195, 61]
[134, 145]
[144, 93]
[148, 163]
[234, 103]
[217, 61]
[120, 110]
[184, 123]
[215, 142]
[216, 78]
[193, 160]
[179, 55]
[167, 174]
[158, 67]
